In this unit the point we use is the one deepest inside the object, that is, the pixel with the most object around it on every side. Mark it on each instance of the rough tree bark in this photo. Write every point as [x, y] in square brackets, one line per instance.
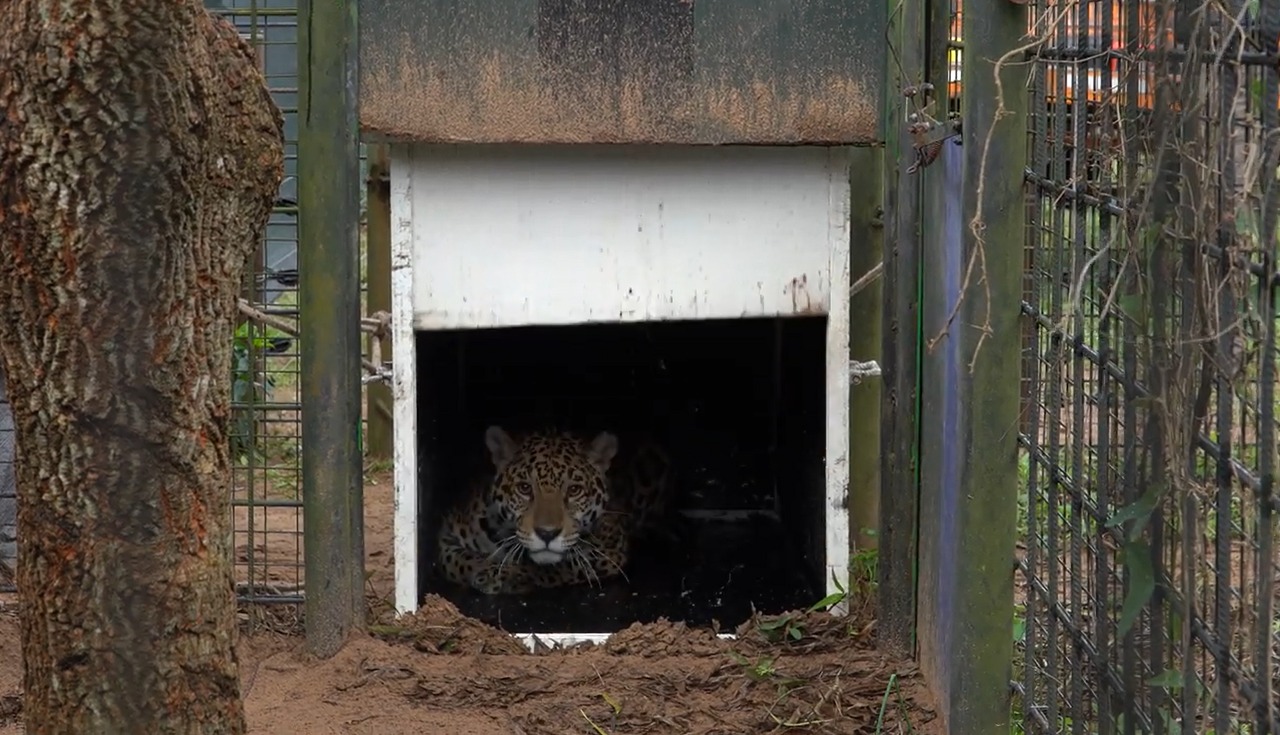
[139, 157]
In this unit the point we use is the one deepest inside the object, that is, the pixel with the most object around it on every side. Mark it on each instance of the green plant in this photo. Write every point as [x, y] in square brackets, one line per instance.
[249, 385]
[864, 569]
[1135, 556]
[781, 628]
[893, 688]
[831, 600]
[761, 669]
[788, 626]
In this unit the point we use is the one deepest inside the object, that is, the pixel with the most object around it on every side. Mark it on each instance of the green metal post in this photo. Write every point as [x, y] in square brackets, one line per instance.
[377, 243]
[970, 389]
[994, 112]
[329, 299]
[866, 311]
[899, 438]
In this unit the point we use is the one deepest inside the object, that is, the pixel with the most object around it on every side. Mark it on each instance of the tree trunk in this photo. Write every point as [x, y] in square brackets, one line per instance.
[140, 153]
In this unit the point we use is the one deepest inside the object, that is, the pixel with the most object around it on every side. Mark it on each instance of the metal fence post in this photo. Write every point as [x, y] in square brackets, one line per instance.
[378, 442]
[971, 288]
[866, 310]
[329, 197]
[899, 437]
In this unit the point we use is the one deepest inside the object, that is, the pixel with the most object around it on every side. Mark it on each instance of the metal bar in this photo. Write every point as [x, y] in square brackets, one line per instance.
[266, 503]
[272, 599]
[969, 468]
[1223, 475]
[899, 438]
[1107, 492]
[866, 316]
[328, 257]
[377, 243]
[1059, 170]
[1080, 257]
[1034, 636]
[254, 363]
[1104, 53]
[1190, 311]
[1266, 707]
[260, 12]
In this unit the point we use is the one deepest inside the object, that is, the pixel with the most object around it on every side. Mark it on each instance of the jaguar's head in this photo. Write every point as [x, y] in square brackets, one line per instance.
[551, 487]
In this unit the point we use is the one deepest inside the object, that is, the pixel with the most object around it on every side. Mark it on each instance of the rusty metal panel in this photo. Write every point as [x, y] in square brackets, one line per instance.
[622, 71]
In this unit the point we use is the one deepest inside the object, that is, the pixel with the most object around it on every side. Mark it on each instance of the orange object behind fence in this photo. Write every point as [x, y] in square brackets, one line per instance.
[1060, 20]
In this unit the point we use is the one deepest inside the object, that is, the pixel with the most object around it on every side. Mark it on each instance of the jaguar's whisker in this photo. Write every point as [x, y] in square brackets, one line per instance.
[584, 563]
[500, 548]
[512, 553]
[603, 557]
[579, 564]
[513, 548]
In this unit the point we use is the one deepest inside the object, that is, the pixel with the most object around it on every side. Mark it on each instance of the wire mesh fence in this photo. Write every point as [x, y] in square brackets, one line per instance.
[266, 377]
[1148, 566]
[8, 496]
[266, 412]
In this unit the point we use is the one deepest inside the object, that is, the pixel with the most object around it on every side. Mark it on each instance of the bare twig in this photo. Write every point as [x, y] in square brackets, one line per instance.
[977, 224]
[866, 279]
[262, 317]
[378, 326]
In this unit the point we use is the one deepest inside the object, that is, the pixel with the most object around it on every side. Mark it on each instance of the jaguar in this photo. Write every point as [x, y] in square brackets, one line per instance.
[555, 509]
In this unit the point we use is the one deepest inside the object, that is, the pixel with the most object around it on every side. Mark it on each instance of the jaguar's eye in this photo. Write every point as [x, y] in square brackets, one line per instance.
[524, 487]
[575, 490]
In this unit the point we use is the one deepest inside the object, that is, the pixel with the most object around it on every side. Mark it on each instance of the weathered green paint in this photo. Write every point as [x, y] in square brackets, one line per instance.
[866, 321]
[329, 300]
[377, 243]
[983, 638]
[970, 387]
[899, 438]
[619, 71]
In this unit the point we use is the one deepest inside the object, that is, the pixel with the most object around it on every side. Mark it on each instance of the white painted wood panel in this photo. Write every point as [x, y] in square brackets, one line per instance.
[836, 525]
[525, 235]
[404, 387]
[486, 236]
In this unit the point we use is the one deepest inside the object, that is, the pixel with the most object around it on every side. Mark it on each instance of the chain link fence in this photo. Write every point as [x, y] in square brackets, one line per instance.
[1147, 567]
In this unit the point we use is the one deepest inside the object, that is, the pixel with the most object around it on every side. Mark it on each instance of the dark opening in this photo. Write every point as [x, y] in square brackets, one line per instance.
[738, 404]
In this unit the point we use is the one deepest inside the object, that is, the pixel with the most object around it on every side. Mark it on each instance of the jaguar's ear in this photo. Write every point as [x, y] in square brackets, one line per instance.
[502, 448]
[602, 450]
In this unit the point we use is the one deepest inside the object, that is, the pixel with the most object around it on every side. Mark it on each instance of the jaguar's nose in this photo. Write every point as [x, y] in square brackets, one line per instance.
[546, 534]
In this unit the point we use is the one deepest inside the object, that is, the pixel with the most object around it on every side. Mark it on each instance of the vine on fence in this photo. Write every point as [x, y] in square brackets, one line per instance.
[1175, 307]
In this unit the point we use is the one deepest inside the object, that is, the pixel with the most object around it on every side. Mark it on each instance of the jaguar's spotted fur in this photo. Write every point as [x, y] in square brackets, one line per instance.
[556, 511]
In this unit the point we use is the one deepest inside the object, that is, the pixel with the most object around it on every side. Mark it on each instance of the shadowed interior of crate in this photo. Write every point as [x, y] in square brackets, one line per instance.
[738, 404]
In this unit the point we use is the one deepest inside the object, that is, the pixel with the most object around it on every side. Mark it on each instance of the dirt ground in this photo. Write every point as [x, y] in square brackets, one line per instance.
[437, 671]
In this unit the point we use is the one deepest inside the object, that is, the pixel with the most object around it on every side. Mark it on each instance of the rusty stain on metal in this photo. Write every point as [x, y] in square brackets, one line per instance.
[506, 99]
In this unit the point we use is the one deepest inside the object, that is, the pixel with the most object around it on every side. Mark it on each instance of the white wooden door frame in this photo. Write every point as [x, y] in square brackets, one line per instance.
[407, 225]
